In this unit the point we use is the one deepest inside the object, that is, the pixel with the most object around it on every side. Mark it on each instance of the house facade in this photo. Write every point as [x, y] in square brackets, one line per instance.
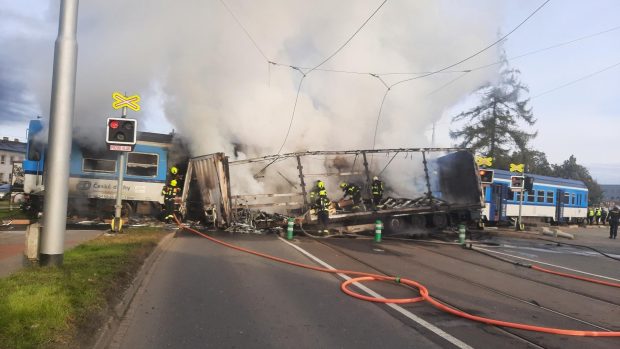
[10, 151]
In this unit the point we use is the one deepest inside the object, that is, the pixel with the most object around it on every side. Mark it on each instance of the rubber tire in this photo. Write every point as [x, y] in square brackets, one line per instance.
[440, 220]
[395, 225]
[418, 222]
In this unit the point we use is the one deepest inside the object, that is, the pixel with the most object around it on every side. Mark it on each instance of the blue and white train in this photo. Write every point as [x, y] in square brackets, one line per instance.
[553, 200]
[93, 174]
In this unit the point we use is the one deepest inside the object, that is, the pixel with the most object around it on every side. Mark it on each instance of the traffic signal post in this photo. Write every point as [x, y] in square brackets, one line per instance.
[121, 136]
[516, 184]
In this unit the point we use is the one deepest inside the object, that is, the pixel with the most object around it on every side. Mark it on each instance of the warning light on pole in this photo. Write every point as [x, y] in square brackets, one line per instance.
[486, 176]
[121, 131]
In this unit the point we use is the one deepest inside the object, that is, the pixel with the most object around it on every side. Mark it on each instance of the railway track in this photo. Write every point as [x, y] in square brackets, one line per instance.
[526, 339]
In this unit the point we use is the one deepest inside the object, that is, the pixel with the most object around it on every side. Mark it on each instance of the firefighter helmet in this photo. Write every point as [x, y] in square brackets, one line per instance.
[173, 183]
[174, 170]
[343, 185]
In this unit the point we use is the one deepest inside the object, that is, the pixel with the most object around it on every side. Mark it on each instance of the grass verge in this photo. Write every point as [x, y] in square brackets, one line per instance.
[63, 307]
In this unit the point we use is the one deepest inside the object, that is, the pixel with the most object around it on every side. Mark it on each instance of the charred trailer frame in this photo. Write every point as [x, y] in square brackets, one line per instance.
[458, 198]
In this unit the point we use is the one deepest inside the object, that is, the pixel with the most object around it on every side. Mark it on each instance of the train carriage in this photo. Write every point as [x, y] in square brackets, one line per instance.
[93, 174]
[552, 199]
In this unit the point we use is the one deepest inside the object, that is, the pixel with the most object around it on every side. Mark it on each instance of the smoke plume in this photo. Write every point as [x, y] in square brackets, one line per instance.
[192, 61]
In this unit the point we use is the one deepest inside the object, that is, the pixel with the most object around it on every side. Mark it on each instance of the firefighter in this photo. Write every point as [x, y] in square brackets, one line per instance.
[377, 190]
[598, 214]
[322, 208]
[590, 215]
[353, 191]
[317, 192]
[170, 193]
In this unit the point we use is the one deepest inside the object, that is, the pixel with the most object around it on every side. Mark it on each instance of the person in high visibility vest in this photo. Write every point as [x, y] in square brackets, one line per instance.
[590, 215]
[353, 191]
[376, 189]
[169, 192]
[322, 209]
[598, 214]
[317, 192]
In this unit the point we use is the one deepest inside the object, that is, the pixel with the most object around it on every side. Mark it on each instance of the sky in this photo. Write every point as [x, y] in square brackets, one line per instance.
[200, 74]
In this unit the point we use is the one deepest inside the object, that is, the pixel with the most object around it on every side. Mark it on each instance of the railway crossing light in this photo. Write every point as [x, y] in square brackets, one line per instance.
[529, 183]
[516, 182]
[486, 176]
[121, 131]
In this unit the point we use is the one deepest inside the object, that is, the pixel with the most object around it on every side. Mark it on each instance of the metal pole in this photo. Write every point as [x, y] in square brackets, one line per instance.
[518, 226]
[60, 136]
[367, 171]
[119, 187]
[429, 193]
[303, 183]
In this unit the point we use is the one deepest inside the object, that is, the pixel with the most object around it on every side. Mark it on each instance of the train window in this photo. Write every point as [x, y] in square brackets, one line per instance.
[140, 164]
[541, 196]
[566, 198]
[99, 165]
[550, 197]
[517, 196]
[531, 197]
[573, 199]
[98, 161]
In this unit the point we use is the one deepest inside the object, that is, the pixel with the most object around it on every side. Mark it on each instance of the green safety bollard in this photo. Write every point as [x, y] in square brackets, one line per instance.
[289, 229]
[462, 234]
[378, 228]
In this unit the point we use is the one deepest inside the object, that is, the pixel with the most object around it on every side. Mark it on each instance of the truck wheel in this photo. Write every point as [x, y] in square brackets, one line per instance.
[440, 220]
[395, 225]
[418, 222]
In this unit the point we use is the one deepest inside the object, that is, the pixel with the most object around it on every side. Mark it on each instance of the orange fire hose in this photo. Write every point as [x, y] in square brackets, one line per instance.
[424, 294]
[606, 283]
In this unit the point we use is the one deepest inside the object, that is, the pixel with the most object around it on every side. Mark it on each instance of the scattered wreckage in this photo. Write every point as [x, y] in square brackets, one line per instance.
[452, 192]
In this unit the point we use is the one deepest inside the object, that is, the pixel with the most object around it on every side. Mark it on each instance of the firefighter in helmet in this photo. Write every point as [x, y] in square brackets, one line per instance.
[376, 189]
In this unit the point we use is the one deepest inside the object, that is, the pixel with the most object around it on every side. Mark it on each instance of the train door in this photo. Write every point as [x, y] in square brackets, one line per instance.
[559, 206]
[497, 208]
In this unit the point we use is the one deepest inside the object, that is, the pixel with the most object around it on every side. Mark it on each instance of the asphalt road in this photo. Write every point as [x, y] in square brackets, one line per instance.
[203, 295]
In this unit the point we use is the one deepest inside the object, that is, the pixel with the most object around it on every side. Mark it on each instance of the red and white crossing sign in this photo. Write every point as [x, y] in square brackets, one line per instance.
[121, 101]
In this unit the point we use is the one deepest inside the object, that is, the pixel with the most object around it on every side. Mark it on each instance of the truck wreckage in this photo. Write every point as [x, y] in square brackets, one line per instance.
[446, 178]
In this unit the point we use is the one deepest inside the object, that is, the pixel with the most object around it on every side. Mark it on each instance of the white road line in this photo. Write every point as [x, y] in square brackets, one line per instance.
[458, 343]
[553, 265]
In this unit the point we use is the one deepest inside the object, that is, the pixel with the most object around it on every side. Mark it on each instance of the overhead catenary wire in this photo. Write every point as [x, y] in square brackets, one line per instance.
[305, 74]
[577, 80]
[451, 66]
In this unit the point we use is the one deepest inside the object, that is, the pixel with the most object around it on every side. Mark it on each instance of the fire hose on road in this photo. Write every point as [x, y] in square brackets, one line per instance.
[424, 293]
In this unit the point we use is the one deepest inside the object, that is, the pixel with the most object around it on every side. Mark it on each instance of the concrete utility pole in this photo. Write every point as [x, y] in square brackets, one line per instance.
[60, 137]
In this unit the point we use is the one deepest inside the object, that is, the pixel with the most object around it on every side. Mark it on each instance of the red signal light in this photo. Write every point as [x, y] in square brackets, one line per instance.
[114, 124]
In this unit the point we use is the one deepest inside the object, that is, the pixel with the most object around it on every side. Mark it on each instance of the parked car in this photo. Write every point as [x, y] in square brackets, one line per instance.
[4, 190]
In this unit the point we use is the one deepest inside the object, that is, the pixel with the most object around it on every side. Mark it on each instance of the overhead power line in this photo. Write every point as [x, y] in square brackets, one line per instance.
[578, 80]
[244, 30]
[450, 66]
[480, 51]
[350, 38]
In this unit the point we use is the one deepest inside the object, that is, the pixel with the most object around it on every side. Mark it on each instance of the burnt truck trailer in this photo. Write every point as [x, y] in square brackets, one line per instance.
[445, 182]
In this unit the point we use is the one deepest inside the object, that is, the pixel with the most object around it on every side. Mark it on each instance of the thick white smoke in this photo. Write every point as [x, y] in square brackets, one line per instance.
[218, 90]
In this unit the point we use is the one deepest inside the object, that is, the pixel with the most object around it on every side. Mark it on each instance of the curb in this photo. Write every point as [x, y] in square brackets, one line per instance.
[107, 332]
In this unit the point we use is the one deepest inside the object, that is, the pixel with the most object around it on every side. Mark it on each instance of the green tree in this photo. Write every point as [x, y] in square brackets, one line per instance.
[570, 169]
[493, 128]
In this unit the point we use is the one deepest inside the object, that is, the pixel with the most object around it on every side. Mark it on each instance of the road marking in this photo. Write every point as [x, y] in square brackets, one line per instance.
[458, 343]
[553, 265]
